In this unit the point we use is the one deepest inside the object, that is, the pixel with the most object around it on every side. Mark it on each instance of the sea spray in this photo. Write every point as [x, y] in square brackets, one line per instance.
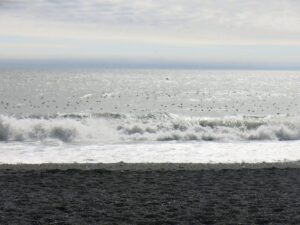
[111, 128]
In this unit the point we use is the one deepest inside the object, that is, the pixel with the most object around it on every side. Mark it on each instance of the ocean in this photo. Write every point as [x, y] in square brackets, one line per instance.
[148, 115]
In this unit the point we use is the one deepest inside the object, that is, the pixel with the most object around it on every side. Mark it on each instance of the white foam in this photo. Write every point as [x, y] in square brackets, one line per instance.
[204, 152]
[63, 129]
[109, 128]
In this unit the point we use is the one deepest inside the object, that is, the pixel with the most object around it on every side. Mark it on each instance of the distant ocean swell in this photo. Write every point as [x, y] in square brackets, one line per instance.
[117, 128]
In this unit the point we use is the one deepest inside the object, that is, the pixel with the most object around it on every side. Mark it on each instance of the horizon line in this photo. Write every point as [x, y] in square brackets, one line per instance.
[140, 64]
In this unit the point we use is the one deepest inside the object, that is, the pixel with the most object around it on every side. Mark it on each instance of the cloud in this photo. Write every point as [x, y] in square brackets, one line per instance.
[89, 26]
[205, 21]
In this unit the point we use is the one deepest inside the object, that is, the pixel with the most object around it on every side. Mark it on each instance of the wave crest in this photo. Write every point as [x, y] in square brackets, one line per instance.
[109, 127]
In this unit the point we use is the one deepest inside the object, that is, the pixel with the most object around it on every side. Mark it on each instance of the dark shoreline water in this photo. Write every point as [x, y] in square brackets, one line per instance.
[157, 194]
[122, 166]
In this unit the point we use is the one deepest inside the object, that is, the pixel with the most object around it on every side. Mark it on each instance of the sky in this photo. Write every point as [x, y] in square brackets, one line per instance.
[211, 33]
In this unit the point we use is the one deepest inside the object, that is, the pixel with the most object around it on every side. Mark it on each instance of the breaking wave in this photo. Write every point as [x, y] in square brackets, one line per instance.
[113, 128]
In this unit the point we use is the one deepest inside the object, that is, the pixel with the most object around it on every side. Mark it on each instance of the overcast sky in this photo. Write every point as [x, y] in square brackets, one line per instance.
[246, 32]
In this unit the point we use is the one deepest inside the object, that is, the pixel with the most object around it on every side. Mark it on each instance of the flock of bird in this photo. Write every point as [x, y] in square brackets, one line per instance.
[146, 102]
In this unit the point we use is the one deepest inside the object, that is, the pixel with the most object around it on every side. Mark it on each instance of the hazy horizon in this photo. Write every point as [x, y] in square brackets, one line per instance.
[123, 64]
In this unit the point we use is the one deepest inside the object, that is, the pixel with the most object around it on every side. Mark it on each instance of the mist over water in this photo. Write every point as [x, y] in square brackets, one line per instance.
[72, 110]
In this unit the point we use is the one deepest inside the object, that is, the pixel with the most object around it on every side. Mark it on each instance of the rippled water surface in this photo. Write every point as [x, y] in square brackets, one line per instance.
[94, 112]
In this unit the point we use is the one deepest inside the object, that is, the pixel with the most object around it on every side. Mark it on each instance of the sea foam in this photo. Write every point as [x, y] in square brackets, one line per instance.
[116, 128]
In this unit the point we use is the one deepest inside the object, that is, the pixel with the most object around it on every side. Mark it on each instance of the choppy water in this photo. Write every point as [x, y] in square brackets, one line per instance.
[149, 115]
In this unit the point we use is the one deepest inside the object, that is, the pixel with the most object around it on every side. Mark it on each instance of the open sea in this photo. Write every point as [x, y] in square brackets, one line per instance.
[113, 115]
